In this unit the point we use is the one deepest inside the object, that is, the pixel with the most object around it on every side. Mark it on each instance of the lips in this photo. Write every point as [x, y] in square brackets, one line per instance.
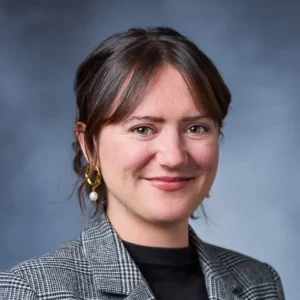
[169, 179]
[169, 183]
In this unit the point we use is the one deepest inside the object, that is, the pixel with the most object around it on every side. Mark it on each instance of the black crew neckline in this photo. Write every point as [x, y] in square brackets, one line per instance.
[162, 256]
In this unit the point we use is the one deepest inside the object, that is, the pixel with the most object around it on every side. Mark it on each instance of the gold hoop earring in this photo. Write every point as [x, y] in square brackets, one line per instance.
[93, 184]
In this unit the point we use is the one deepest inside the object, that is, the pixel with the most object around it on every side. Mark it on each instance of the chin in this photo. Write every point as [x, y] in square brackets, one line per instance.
[168, 216]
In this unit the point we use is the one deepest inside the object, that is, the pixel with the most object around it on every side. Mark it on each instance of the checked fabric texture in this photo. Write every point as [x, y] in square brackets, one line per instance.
[96, 266]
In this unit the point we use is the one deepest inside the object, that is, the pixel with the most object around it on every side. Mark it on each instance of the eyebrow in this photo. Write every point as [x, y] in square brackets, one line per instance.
[162, 120]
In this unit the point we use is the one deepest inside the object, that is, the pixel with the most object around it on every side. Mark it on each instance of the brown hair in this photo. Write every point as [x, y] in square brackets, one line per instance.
[135, 56]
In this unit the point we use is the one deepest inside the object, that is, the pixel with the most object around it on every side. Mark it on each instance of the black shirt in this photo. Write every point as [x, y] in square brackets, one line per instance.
[171, 273]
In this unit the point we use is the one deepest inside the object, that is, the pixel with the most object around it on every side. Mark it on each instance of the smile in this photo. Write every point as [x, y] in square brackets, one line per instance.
[169, 183]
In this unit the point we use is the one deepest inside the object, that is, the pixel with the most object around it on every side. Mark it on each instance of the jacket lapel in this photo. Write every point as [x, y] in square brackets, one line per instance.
[220, 282]
[115, 272]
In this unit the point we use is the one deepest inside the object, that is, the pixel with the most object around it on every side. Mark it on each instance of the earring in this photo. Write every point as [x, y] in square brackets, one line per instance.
[93, 195]
[209, 194]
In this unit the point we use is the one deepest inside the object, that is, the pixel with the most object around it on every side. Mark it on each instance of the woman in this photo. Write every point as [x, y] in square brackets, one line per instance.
[150, 111]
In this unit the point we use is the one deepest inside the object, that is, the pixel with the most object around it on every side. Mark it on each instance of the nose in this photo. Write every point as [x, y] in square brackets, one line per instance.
[171, 150]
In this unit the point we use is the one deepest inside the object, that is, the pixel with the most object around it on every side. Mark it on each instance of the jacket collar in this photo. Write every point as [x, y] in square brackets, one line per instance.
[115, 272]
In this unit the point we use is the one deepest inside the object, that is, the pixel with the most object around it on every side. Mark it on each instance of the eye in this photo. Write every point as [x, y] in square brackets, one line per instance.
[142, 130]
[198, 129]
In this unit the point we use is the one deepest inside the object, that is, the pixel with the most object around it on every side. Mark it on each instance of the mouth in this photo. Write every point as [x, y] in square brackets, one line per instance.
[169, 183]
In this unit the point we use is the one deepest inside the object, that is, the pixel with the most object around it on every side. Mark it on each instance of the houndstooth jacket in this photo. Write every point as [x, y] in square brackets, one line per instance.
[97, 266]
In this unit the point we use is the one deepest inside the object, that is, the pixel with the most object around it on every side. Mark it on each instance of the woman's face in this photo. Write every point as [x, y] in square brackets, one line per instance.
[159, 164]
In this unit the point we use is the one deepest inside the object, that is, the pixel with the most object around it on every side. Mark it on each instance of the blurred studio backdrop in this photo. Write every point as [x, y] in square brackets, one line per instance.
[255, 204]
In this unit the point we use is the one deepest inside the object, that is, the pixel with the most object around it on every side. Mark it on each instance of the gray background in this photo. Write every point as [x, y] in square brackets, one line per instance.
[254, 206]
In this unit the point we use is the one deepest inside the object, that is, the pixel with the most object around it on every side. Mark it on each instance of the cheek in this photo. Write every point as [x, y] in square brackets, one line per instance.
[121, 156]
[207, 156]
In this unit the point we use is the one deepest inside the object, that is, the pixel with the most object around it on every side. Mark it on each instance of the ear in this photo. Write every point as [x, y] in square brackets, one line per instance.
[80, 130]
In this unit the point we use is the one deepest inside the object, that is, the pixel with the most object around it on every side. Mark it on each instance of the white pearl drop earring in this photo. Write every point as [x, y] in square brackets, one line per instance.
[93, 196]
[93, 184]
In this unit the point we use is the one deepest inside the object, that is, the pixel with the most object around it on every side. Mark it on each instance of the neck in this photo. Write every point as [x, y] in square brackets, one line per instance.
[134, 229]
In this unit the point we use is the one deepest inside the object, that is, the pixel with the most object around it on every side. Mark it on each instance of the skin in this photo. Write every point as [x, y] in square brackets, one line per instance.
[141, 209]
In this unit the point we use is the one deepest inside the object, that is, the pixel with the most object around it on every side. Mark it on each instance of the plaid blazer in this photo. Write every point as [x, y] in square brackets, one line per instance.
[97, 266]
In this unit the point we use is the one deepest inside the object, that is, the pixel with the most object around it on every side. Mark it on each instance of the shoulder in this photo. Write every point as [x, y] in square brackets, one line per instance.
[15, 287]
[51, 273]
[247, 269]
[238, 261]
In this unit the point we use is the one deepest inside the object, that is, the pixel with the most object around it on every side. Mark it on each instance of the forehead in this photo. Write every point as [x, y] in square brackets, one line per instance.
[168, 94]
